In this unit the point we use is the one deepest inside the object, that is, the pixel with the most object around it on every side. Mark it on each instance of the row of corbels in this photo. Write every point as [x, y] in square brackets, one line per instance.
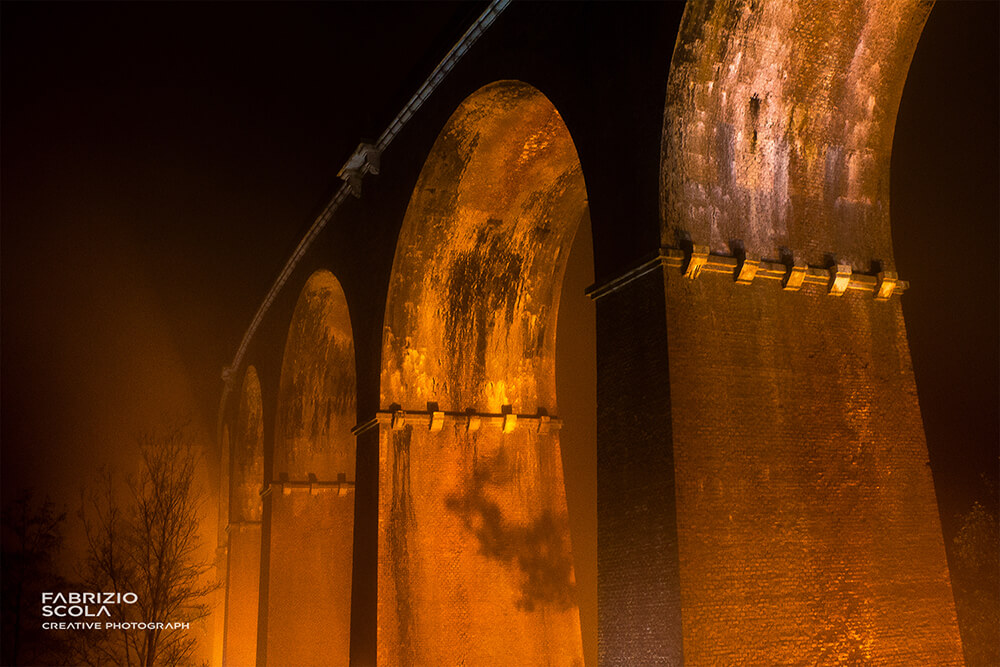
[838, 277]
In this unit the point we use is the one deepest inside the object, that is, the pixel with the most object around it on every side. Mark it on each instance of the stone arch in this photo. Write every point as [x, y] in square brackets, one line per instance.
[779, 123]
[318, 391]
[469, 452]
[312, 491]
[247, 453]
[245, 512]
[795, 432]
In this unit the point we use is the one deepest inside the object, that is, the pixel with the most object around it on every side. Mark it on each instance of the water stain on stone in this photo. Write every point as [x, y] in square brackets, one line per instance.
[482, 284]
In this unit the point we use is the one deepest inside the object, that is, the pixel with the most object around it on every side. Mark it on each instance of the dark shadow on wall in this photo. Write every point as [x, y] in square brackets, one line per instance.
[540, 549]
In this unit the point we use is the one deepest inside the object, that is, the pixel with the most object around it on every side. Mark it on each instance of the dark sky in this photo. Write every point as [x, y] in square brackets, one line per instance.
[160, 161]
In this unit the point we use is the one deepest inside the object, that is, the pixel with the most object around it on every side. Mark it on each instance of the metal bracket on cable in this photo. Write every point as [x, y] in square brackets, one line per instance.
[364, 158]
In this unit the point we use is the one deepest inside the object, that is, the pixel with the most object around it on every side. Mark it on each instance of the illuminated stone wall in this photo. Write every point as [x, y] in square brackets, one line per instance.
[763, 490]
[309, 598]
[242, 589]
[475, 564]
[243, 583]
[807, 521]
[312, 488]
[807, 525]
[779, 122]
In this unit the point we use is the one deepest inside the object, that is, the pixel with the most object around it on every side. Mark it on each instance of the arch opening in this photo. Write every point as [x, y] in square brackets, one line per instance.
[470, 452]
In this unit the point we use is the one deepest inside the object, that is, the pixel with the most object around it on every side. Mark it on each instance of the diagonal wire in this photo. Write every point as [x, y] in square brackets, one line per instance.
[423, 93]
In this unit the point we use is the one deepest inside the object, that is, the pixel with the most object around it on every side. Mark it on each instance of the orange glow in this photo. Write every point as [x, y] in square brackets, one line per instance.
[808, 531]
[475, 564]
[221, 555]
[243, 583]
[312, 515]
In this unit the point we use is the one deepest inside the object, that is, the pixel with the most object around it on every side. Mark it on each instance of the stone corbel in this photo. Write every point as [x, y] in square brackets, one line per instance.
[696, 260]
[746, 271]
[886, 285]
[840, 278]
[794, 277]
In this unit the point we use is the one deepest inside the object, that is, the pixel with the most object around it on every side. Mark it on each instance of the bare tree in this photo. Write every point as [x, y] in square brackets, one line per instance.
[144, 539]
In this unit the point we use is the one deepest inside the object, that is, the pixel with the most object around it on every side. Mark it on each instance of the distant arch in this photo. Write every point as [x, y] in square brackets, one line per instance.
[248, 452]
[317, 394]
[245, 512]
[310, 540]
[470, 334]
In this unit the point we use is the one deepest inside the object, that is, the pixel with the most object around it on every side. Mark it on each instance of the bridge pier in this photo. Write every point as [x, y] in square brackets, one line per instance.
[310, 564]
[242, 593]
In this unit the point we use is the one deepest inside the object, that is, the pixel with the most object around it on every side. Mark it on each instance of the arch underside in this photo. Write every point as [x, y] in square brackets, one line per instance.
[316, 402]
[475, 564]
[470, 321]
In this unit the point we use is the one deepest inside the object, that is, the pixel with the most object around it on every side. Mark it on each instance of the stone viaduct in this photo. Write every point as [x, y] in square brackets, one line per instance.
[393, 490]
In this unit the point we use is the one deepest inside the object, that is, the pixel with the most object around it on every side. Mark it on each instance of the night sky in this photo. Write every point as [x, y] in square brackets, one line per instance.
[160, 162]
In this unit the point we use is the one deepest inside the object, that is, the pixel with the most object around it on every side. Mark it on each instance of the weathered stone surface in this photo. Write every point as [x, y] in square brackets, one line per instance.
[778, 126]
[479, 263]
[316, 402]
[248, 453]
[311, 531]
[475, 565]
[807, 521]
[807, 525]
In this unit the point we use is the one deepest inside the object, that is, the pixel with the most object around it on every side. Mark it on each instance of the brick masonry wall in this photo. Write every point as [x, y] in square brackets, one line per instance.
[475, 564]
[807, 521]
[242, 590]
[310, 568]
[639, 618]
